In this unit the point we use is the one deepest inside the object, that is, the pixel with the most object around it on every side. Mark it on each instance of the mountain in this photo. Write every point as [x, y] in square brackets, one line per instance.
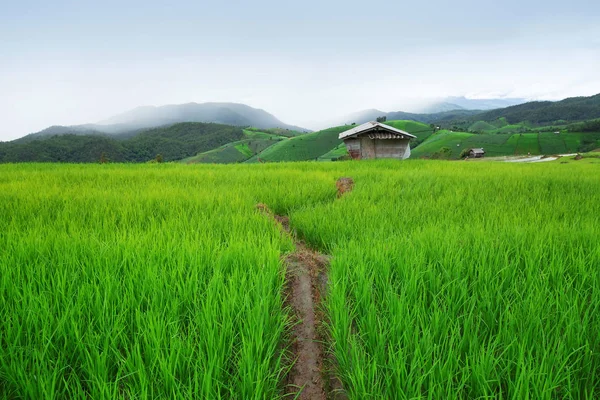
[440, 110]
[222, 113]
[483, 104]
[361, 117]
[439, 107]
[173, 142]
[462, 103]
[569, 110]
[573, 109]
[130, 123]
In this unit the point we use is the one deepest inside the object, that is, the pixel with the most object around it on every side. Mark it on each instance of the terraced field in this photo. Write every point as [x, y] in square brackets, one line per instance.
[505, 144]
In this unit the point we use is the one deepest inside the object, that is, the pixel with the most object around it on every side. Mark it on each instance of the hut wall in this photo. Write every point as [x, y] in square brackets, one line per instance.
[390, 148]
[367, 148]
[353, 146]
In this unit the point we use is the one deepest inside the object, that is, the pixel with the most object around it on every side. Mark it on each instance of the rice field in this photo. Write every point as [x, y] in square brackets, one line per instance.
[447, 279]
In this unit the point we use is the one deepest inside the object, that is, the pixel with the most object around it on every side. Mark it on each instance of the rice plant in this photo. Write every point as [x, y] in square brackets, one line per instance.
[448, 279]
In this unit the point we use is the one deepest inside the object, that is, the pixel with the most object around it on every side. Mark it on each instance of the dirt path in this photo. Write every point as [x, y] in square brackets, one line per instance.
[303, 268]
[306, 277]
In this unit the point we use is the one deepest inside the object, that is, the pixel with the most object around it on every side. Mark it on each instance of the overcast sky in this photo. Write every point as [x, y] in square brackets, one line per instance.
[71, 62]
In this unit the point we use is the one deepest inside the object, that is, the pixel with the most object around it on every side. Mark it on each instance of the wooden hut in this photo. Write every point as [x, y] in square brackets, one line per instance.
[476, 153]
[377, 140]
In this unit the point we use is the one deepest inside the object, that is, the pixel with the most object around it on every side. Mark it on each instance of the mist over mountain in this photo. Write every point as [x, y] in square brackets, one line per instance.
[445, 108]
[569, 110]
[361, 117]
[221, 113]
[131, 122]
[464, 103]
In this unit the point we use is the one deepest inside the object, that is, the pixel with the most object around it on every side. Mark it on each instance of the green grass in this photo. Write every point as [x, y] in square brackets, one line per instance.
[482, 126]
[123, 281]
[244, 149]
[227, 154]
[305, 147]
[495, 145]
[272, 132]
[528, 143]
[448, 280]
[484, 286]
[552, 143]
[334, 154]
[441, 139]
[252, 133]
[238, 151]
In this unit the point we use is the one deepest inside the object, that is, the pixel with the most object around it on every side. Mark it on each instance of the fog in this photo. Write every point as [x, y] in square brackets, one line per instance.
[69, 63]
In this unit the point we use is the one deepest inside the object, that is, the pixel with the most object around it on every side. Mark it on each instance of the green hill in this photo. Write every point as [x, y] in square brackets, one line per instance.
[174, 142]
[324, 145]
[305, 147]
[481, 126]
[509, 144]
[546, 112]
[335, 154]
[255, 141]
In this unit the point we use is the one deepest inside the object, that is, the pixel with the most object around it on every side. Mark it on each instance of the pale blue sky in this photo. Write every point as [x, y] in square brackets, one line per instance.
[69, 62]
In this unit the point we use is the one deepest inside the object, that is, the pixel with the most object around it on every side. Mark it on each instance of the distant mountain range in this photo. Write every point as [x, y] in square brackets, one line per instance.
[372, 114]
[133, 136]
[462, 103]
[569, 110]
[133, 121]
[442, 109]
[573, 109]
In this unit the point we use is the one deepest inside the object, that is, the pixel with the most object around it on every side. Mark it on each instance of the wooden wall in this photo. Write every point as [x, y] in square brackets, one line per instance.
[365, 148]
[353, 146]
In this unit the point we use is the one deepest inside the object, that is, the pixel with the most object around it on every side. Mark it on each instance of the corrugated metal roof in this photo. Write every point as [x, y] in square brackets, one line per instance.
[478, 150]
[372, 125]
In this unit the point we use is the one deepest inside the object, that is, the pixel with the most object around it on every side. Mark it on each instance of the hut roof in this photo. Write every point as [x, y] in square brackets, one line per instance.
[373, 126]
[478, 151]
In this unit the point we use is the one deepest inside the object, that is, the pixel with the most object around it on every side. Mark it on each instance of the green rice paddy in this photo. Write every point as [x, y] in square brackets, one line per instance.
[447, 279]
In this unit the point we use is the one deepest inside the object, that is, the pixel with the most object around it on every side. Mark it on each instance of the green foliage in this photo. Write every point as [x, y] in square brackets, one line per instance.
[335, 154]
[587, 126]
[173, 142]
[464, 153]
[305, 147]
[273, 132]
[486, 288]
[505, 145]
[589, 143]
[442, 154]
[179, 141]
[545, 112]
[481, 126]
[164, 281]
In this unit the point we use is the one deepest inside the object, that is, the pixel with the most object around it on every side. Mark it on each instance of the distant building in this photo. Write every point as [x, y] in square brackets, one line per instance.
[476, 153]
[377, 140]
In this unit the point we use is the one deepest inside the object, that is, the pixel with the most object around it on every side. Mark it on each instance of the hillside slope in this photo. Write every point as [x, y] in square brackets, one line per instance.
[172, 142]
[536, 143]
[254, 142]
[546, 112]
[324, 145]
[305, 147]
